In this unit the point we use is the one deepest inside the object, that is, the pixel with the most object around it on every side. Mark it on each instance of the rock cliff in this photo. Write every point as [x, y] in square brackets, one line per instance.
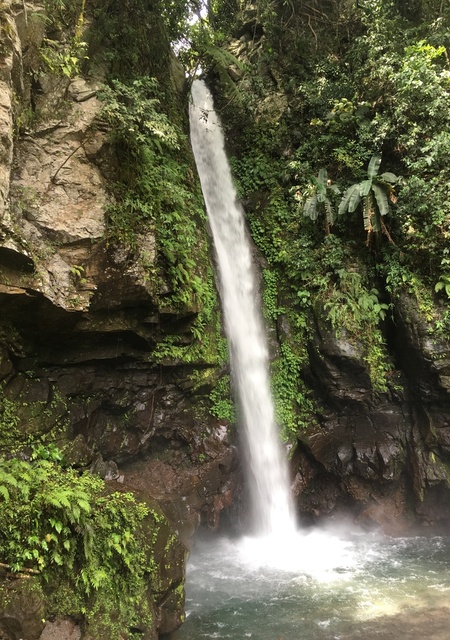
[376, 452]
[83, 312]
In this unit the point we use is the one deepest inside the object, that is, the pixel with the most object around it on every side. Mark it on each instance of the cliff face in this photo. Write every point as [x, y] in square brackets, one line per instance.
[380, 457]
[83, 311]
[360, 338]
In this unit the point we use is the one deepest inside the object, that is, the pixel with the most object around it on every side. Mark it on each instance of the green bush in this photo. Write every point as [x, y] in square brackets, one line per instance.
[72, 532]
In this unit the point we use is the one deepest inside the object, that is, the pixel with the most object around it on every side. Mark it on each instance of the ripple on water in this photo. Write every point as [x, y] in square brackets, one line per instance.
[320, 587]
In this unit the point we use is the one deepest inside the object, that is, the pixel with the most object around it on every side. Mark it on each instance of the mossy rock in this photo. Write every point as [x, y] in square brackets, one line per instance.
[22, 608]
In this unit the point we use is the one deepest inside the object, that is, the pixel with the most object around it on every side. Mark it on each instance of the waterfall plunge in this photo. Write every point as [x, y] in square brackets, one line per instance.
[267, 473]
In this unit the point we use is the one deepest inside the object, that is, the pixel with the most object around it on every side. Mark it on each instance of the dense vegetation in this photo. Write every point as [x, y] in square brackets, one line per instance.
[92, 550]
[337, 116]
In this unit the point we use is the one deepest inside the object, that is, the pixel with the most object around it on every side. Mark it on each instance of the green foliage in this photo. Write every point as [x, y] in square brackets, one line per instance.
[64, 14]
[376, 359]
[443, 285]
[47, 452]
[400, 277]
[373, 194]
[156, 195]
[63, 62]
[9, 423]
[411, 121]
[271, 307]
[176, 15]
[30, 424]
[293, 408]
[203, 47]
[319, 198]
[356, 312]
[66, 527]
[65, 18]
[350, 304]
[222, 405]
[345, 112]
[134, 113]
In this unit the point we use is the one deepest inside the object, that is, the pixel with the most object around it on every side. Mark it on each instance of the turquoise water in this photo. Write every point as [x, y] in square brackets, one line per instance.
[320, 586]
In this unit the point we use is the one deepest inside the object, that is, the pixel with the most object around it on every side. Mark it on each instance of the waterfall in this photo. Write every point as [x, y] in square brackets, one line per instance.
[267, 467]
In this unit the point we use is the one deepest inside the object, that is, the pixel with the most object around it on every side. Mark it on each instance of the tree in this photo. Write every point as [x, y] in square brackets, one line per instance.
[374, 194]
[319, 199]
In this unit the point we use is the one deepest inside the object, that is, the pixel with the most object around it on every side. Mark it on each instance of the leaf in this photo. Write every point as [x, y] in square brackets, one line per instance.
[364, 187]
[381, 198]
[374, 165]
[355, 198]
[84, 504]
[58, 526]
[310, 208]
[390, 177]
[343, 206]
[323, 177]
[321, 193]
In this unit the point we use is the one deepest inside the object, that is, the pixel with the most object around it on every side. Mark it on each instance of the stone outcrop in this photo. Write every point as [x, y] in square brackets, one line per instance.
[81, 316]
[381, 457]
[10, 81]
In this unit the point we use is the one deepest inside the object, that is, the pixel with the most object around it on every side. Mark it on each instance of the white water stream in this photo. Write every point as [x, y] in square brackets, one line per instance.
[268, 475]
[284, 583]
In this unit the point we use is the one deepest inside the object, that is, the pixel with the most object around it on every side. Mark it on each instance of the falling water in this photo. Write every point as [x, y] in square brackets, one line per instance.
[311, 584]
[268, 475]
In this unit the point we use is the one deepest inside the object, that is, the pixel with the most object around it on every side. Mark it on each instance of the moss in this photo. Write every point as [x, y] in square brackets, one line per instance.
[27, 422]
[102, 556]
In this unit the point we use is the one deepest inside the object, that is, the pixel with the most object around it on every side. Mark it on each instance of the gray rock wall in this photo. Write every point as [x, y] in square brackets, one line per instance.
[80, 317]
[380, 457]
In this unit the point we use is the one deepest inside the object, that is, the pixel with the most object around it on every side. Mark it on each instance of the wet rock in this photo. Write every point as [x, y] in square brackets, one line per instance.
[190, 492]
[61, 630]
[22, 609]
[371, 450]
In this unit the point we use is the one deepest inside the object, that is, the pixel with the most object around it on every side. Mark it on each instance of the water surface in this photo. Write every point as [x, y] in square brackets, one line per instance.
[319, 587]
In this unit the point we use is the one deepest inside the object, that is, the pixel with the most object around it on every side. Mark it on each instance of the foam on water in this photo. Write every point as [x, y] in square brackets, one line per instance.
[334, 586]
[317, 554]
